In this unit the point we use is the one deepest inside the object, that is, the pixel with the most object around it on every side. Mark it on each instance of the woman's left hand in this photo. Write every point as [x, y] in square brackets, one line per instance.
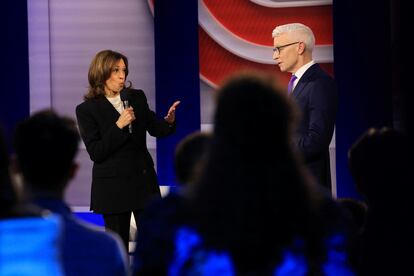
[170, 118]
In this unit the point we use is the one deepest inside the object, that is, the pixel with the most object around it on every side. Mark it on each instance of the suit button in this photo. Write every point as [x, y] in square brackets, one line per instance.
[144, 171]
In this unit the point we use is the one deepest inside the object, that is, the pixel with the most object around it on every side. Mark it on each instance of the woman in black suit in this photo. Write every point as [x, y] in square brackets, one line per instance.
[123, 176]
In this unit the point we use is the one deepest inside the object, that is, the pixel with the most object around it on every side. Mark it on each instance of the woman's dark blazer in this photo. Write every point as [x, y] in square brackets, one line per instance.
[123, 176]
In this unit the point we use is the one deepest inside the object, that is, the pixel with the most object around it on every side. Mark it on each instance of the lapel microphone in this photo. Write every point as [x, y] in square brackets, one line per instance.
[125, 97]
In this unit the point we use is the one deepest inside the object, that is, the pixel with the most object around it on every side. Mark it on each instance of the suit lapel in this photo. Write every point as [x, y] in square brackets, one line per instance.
[107, 109]
[303, 81]
[299, 88]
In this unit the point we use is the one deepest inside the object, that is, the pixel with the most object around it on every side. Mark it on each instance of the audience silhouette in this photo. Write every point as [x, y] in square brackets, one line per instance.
[190, 154]
[255, 200]
[251, 208]
[162, 217]
[45, 145]
[8, 196]
[29, 237]
[380, 163]
[357, 211]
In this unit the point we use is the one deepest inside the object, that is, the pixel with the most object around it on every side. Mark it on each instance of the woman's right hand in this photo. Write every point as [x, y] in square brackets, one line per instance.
[126, 117]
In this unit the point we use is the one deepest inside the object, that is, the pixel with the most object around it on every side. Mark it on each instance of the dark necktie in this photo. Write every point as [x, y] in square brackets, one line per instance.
[290, 85]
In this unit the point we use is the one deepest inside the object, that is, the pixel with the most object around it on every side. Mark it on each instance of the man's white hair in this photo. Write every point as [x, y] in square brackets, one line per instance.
[298, 31]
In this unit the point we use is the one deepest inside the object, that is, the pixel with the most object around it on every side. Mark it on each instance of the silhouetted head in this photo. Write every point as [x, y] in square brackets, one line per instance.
[45, 145]
[254, 115]
[12, 204]
[189, 154]
[379, 163]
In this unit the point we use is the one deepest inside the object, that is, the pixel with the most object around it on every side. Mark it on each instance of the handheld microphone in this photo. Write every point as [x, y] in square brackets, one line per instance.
[125, 100]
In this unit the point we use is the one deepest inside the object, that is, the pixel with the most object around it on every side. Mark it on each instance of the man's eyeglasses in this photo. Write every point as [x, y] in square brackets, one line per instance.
[277, 49]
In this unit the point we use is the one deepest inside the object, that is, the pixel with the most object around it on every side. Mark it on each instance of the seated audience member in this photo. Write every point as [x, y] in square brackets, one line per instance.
[25, 231]
[380, 164]
[162, 217]
[189, 156]
[357, 210]
[45, 147]
[255, 211]
[8, 196]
